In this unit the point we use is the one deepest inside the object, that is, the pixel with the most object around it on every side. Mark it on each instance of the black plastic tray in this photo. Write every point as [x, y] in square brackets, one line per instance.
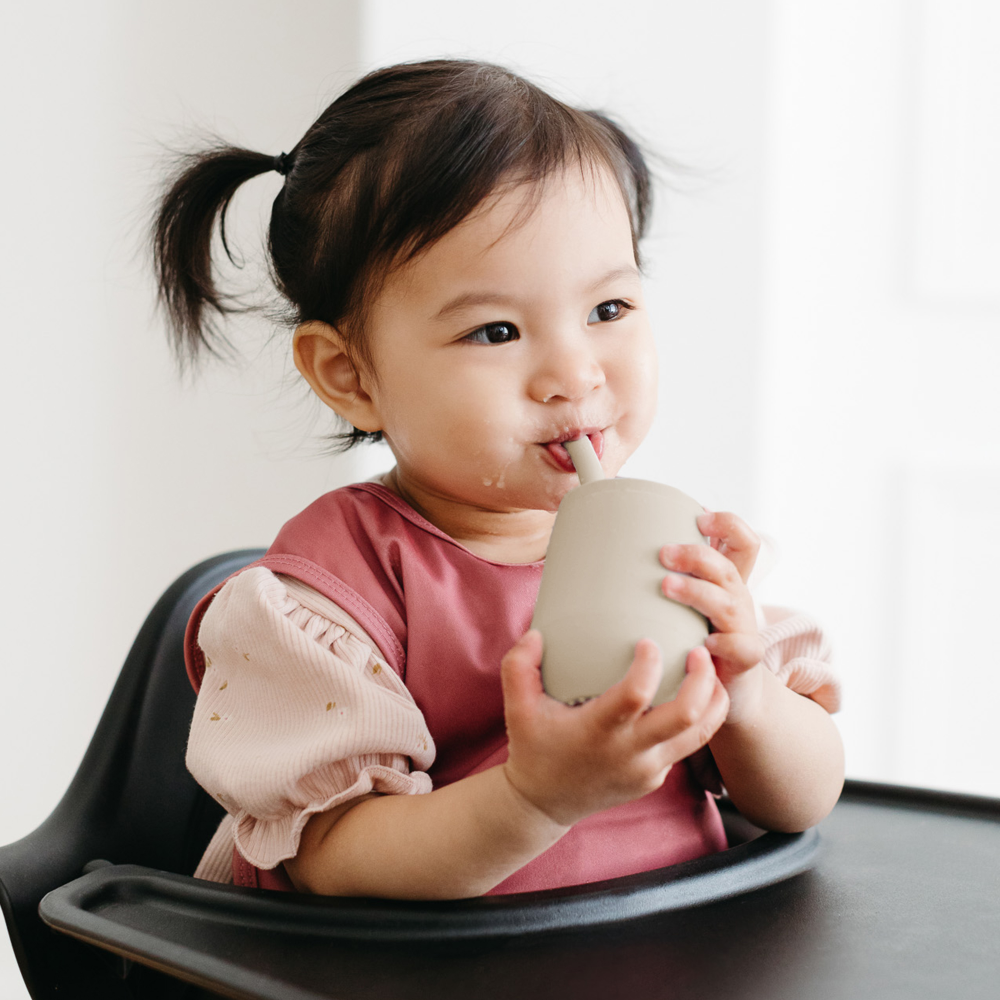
[903, 900]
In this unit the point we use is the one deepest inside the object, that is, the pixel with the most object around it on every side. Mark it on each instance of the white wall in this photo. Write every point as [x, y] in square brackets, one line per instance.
[117, 476]
[879, 406]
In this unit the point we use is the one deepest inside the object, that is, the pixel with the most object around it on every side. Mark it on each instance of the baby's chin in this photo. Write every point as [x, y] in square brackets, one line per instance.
[509, 494]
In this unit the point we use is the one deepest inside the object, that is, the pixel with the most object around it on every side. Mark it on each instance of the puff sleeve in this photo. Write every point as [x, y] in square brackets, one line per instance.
[297, 713]
[798, 652]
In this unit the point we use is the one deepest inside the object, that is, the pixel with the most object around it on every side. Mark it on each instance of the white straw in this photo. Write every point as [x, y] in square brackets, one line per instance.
[588, 468]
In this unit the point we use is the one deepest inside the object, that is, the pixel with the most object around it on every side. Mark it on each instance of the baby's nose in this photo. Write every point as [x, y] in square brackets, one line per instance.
[567, 371]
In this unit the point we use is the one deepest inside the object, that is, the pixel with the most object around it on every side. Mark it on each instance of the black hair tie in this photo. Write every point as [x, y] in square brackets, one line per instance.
[281, 164]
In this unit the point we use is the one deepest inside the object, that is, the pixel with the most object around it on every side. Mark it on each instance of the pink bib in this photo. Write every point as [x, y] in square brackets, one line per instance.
[443, 618]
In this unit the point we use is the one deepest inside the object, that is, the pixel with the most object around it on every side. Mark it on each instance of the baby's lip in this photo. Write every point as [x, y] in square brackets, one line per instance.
[557, 447]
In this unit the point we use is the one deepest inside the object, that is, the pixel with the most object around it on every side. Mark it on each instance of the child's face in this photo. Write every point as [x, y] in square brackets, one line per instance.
[512, 333]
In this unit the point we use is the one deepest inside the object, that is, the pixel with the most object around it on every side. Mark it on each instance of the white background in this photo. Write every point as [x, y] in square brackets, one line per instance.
[825, 285]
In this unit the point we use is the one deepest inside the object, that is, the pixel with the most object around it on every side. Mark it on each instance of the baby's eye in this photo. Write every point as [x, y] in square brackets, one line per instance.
[607, 311]
[494, 333]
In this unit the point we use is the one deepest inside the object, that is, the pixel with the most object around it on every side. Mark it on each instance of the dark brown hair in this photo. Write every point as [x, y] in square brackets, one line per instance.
[387, 169]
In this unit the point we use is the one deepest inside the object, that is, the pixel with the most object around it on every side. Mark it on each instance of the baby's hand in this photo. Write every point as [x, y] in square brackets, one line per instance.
[571, 762]
[716, 586]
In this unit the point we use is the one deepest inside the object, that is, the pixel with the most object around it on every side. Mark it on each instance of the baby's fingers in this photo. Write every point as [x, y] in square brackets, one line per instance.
[734, 539]
[742, 650]
[692, 718]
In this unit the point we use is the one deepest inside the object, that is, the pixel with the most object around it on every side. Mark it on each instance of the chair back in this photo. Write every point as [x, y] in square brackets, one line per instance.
[132, 800]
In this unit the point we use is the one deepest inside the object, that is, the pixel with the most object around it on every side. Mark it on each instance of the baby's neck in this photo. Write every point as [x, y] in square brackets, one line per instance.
[500, 536]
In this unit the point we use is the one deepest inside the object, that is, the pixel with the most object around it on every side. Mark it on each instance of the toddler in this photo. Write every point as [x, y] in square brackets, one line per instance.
[460, 251]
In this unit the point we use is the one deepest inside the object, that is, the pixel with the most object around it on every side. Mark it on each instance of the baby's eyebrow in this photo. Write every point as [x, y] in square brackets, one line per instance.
[469, 299]
[625, 271]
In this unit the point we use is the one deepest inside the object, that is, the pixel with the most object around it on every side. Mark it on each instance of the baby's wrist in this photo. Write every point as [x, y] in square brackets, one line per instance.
[532, 808]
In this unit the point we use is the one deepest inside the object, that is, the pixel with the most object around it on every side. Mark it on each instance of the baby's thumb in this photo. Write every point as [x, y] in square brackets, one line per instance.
[634, 693]
[520, 673]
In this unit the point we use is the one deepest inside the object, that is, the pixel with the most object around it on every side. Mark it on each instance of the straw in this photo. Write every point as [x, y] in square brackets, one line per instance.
[585, 460]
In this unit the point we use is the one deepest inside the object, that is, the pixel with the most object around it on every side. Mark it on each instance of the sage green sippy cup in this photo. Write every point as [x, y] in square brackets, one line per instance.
[601, 586]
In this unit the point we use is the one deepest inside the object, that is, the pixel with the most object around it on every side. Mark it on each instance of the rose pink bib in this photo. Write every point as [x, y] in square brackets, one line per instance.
[443, 618]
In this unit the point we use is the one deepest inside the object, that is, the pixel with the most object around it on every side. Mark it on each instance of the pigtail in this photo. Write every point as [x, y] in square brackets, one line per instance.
[198, 195]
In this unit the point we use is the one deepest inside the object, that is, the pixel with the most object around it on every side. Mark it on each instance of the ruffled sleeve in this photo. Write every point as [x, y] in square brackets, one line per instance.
[297, 713]
[797, 652]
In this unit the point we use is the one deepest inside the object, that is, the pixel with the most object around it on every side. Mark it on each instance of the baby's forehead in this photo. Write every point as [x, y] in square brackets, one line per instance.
[574, 225]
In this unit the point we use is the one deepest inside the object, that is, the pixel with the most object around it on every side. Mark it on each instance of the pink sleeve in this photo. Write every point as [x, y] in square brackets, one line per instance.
[798, 653]
[297, 713]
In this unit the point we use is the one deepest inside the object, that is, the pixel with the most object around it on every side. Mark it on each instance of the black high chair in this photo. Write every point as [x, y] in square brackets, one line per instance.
[903, 900]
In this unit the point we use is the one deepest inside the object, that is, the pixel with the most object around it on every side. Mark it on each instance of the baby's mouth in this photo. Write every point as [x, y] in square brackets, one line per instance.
[557, 449]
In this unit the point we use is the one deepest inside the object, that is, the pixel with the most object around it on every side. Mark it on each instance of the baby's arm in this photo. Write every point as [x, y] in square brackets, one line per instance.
[454, 842]
[783, 764]
[564, 764]
[779, 753]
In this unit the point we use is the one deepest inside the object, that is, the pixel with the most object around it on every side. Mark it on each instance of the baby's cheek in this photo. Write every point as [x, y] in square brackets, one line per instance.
[636, 424]
[639, 379]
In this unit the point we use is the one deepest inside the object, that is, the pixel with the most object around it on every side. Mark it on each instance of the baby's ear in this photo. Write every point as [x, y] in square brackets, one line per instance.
[321, 356]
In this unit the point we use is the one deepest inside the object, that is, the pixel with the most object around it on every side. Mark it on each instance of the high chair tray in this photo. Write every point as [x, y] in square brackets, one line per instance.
[903, 900]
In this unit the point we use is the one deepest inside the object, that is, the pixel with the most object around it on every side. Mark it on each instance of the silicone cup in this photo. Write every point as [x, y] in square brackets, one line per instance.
[601, 587]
